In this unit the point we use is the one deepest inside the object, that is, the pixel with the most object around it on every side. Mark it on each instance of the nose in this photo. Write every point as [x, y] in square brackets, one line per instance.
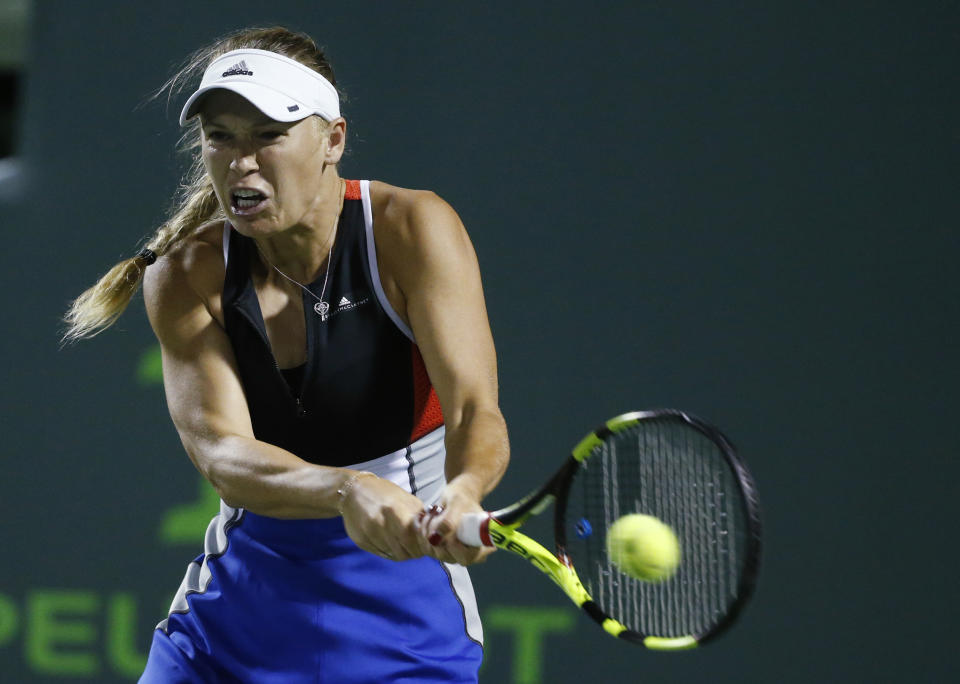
[244, 160]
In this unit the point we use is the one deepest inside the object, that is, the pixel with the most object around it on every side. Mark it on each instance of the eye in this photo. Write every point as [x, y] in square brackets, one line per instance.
[271, 136]
[217, 136]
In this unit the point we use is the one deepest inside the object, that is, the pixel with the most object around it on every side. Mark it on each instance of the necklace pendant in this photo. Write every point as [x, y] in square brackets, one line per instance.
[321, 308]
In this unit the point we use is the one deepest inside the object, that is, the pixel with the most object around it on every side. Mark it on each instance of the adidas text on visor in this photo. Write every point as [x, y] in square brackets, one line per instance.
[278, 86]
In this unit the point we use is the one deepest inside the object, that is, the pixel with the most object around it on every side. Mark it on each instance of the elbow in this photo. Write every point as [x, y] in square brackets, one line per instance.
[221, 485]
[215, 470]
[226, 484]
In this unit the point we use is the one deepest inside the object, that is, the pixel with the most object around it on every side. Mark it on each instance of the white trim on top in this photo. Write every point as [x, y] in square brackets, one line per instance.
[417, 468]
[226, 243]
[372, 260]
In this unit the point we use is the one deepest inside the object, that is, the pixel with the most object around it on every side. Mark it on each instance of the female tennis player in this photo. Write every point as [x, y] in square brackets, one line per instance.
[329, 367]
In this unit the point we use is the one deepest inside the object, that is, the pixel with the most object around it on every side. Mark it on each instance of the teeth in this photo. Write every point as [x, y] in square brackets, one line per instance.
[246, 193]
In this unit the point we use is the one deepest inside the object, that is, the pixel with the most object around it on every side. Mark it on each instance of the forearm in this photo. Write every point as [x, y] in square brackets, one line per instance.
[268, 480]
[478, 450]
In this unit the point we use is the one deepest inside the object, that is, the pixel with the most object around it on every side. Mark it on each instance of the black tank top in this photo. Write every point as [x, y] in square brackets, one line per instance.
[364, 391]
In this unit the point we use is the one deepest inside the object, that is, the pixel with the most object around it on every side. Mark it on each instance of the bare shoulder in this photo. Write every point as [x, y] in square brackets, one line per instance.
[190, 273]
[405, 218]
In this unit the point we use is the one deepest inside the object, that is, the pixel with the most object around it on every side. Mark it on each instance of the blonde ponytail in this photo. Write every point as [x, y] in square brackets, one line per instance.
[99, 307]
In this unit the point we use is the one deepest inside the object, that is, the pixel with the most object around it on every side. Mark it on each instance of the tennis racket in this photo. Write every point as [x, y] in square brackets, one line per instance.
[664, 463]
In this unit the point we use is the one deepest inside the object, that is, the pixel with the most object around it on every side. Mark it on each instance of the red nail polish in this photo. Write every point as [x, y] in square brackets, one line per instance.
[435, 538]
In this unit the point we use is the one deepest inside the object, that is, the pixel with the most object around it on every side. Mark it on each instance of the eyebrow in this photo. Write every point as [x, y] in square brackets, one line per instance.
[260, 123]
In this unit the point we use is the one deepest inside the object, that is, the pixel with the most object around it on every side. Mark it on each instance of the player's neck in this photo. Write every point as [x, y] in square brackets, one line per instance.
[301, 251]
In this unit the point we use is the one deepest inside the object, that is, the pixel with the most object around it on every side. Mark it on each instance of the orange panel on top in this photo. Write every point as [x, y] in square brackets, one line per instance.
[353, 190]
[427, 414]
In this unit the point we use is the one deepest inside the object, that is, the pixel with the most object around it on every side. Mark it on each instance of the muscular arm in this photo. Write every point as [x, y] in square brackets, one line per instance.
[209, 410]
[434, 265]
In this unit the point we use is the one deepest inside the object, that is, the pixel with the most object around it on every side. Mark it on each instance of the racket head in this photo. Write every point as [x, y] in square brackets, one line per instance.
[678, 468]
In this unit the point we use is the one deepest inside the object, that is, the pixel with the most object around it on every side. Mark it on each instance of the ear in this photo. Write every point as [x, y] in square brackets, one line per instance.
[336, 140]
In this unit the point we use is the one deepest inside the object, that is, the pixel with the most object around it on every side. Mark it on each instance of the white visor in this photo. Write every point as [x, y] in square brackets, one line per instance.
[278, 86]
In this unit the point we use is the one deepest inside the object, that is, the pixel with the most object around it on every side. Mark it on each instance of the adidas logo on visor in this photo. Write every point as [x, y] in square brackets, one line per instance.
[238, 69]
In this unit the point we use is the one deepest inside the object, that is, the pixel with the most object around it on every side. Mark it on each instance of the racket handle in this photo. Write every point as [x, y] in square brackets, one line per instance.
[474, 529]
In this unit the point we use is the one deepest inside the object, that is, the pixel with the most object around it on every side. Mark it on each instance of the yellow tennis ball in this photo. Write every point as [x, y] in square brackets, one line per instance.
[643, 547]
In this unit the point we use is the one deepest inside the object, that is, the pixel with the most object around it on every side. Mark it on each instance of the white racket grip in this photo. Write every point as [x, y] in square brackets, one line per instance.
[474, 529]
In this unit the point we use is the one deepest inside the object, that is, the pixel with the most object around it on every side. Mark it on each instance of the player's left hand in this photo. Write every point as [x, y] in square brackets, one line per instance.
[438, 523]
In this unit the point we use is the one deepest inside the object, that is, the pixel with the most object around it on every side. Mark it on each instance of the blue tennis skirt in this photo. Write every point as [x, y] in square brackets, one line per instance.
[294, 601]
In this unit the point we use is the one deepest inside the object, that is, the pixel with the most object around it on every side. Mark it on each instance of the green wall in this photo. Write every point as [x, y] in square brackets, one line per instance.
[747, 210]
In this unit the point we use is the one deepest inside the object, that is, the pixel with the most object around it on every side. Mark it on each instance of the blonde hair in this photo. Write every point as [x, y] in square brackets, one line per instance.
[195, 204]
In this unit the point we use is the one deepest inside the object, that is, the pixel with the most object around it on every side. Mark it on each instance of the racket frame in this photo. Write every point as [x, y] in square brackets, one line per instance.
[499, 528]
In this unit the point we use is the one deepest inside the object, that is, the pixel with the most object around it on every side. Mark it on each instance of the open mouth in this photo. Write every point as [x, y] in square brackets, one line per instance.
[247, 201]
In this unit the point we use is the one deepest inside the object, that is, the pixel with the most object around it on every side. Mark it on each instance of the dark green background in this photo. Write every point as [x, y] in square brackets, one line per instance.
[747, 210]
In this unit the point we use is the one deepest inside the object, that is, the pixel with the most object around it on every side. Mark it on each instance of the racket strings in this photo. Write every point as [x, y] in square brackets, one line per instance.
[671, 471]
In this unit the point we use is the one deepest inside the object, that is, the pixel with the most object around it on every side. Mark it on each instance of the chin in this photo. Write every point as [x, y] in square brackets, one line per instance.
[253, 226]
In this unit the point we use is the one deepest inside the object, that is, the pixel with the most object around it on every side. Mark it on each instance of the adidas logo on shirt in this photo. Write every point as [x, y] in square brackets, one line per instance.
[238, 69]
[346, 304]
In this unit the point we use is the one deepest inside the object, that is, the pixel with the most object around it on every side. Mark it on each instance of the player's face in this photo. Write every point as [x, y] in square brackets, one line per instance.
[267, 174]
